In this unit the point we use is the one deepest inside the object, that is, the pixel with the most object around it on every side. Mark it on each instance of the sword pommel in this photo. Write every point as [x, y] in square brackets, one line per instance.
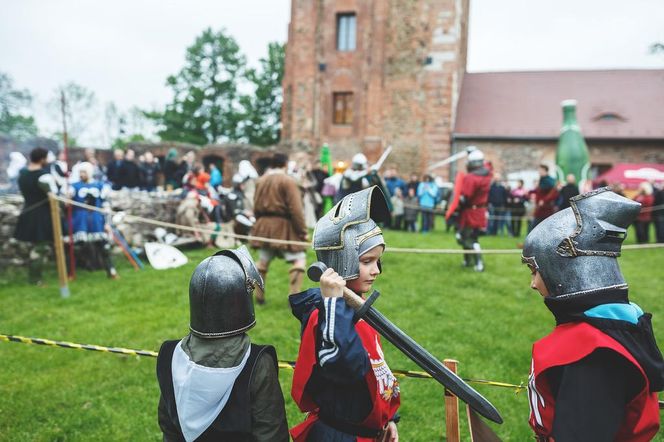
[316, 270]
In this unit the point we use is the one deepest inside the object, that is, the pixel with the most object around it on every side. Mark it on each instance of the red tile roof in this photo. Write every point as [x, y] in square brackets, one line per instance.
[617, 104]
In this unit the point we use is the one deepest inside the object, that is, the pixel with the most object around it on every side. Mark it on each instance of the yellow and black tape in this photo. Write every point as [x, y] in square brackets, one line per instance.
[64, 344]
[286, 365]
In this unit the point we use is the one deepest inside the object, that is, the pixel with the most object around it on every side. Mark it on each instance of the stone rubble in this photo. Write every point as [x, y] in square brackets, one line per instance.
[161, 206]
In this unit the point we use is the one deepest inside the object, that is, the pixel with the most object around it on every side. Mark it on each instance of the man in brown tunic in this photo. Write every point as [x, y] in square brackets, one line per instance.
[279, 215]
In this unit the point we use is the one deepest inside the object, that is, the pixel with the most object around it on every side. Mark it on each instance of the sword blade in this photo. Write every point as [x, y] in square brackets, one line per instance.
[448, 160]
[431, 365]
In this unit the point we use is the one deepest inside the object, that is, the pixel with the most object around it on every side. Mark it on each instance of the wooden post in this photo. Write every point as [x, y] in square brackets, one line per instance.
[451, 407]
[58, 245]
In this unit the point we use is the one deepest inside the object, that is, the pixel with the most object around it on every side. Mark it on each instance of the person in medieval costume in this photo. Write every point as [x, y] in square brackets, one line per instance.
[355, 178]
[359, 176]
[341, 378]
[91, 240]
[234, 207]
[472, 207]
[215, 384]
[279, 215]
[249, 177]
[546, 195]
[595, 376]
[34, 223]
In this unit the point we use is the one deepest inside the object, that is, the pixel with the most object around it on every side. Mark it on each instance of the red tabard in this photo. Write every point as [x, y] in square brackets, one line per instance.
[475, 189]
[385, 404]
[572, 342]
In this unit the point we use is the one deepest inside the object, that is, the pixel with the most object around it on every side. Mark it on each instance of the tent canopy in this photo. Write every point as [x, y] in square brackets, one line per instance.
[630, 175]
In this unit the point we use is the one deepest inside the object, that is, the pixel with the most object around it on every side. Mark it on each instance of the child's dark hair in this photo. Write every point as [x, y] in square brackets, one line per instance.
[38, 154]
[278, 160]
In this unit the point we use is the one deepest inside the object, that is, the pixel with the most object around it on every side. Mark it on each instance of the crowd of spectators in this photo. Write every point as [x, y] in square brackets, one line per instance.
[511, 205]
[415, 199]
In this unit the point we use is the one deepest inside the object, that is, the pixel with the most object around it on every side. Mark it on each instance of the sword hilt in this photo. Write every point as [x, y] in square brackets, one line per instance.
[317, 269]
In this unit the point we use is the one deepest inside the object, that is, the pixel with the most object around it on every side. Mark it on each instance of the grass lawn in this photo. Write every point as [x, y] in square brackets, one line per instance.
[486, 321]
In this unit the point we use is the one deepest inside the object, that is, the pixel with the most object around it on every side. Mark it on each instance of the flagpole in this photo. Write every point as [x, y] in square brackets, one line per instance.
[70, 228]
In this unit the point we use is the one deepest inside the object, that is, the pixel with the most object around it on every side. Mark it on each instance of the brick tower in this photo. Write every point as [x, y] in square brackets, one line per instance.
[364, 74]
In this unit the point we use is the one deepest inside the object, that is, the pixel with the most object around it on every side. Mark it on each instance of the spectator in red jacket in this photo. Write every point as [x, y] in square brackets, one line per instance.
[546, 195]
[642, 223]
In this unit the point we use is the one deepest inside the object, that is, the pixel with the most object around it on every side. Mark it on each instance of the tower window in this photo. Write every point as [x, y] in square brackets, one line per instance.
[346, 31]
[342, 111]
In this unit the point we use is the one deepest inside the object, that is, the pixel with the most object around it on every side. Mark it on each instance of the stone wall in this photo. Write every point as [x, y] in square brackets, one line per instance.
[517, 156]
[155, 206]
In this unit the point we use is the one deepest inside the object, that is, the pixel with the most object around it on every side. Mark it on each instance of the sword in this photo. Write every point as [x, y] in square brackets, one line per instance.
[382, 159]
[448, 160]
[412, 349]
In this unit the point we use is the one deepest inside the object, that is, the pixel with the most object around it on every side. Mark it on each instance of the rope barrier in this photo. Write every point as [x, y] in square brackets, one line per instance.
[130, 217]
[34, 206]
[286, 365]
[439, 211]
[135, 218]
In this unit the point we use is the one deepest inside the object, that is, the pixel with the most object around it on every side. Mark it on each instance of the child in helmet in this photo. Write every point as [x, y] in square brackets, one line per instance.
[215, 384]
[341, 378]
[595, 376]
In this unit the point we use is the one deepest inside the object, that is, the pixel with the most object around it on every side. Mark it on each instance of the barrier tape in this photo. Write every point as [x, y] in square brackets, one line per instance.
[135, 218]
[287, 365]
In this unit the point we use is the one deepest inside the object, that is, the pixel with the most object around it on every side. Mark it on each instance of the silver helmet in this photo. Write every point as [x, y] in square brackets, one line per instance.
[475, 158]
[220, 293]
[575, 250]
[349, 229]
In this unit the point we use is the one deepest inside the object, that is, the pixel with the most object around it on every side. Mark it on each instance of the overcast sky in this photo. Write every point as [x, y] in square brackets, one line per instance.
[123, 50]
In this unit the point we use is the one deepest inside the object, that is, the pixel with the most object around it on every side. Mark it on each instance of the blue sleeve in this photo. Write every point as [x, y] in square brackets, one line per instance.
[302, 304]
[433, 191]
[340, 350]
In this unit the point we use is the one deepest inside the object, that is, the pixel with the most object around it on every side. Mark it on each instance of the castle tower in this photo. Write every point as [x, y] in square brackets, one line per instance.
[364, 74]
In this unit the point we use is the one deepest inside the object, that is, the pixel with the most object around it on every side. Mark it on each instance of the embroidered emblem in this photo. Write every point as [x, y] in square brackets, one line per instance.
[388, 386]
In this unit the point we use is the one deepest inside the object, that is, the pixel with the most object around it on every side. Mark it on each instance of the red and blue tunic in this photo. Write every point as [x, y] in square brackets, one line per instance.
[341, 378]
[569, 345]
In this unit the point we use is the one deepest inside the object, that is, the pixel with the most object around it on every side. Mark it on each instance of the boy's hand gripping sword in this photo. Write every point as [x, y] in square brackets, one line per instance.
[412, 349]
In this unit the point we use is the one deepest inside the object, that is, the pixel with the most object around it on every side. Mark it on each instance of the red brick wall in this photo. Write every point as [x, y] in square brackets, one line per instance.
[399, 98]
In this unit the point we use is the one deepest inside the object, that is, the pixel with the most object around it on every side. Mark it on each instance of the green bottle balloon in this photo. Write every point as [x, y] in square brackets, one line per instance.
[326, 159]
[572, 155]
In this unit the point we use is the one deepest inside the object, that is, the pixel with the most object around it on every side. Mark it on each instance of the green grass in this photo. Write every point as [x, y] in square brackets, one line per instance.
[486, 321]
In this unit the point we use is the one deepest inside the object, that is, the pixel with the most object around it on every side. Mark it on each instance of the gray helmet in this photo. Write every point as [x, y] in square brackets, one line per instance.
[475, 158]
[349, 229]
[220, 294]
[575, 250]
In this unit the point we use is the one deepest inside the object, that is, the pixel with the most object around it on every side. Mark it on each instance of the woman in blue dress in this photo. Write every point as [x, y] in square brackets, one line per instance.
[89, 226]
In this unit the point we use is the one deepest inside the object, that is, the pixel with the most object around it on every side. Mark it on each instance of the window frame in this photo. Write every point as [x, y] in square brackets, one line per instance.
[346, 35]
[344, 115]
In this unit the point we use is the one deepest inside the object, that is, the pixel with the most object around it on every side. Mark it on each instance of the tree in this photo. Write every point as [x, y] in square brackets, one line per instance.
[14, 105]
[657, 48]
[262, 110]
[80, 108]
[205, 106]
